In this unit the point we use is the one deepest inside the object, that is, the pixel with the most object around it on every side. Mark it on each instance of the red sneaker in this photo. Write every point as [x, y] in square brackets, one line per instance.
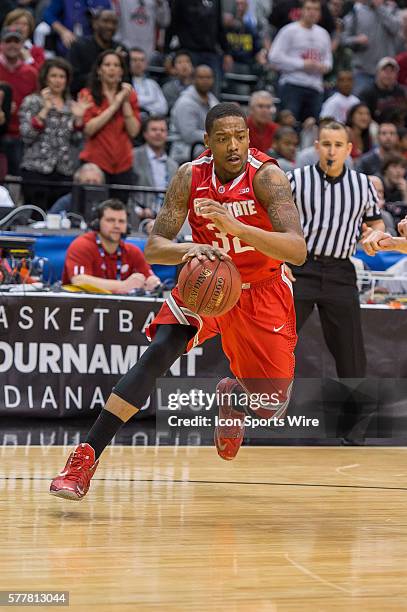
[228, 438]
[73, 482]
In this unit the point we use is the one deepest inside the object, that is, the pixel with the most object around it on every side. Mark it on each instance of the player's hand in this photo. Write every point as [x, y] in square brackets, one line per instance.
[372, 242]
[205, 251]
[134, 281]
[219, 215]
[289, 273]
[402, 227]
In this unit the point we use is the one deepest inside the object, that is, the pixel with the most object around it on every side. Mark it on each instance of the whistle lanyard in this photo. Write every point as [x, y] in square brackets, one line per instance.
[103, 256]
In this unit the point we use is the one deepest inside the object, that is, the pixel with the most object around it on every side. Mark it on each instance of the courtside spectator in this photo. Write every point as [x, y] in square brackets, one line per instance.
[102, 259]
[385, 98]
[70, 20]
[139, 21]
[260, 120]
[285, 143]
[188, 116]
[85, 51]
[198, 26]
[111, 122]
[149, 94]
[22, 79]
[5, 114]
[301, 52]
[338, 105]
[50, 127]
[24, 21]
[182, 74]
[358, 121]
[152, 167]
[388, 142]
[371, 30]
[87, 174]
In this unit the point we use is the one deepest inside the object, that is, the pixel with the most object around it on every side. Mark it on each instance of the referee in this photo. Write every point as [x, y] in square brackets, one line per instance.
[333, 202]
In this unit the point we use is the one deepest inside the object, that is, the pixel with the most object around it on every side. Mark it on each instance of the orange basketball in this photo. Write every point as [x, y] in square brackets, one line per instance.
[210, 288]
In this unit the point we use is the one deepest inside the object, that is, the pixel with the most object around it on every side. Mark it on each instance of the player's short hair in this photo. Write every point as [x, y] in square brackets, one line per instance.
[332, 125]
[224, 109]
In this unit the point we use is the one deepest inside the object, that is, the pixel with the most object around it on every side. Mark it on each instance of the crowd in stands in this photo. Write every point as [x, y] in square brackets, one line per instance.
[116, 92]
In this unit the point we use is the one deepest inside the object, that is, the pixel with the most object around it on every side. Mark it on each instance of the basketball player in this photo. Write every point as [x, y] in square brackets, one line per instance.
[259, 230]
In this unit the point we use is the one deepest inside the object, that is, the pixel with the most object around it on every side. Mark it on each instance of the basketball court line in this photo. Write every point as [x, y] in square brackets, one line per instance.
[225, 482]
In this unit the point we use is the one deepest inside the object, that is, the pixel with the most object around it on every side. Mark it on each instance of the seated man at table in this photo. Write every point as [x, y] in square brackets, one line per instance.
[101, 259]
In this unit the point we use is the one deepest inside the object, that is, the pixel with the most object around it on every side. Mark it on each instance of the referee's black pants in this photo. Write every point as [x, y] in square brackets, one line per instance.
[330, 283]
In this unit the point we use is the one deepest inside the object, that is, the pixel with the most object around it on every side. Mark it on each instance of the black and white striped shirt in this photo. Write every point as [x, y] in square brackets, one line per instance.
[332, 209]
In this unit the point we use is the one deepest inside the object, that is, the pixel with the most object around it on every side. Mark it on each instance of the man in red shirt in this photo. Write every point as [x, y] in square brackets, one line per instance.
[102, 259]
[260, 124]
[22, 79]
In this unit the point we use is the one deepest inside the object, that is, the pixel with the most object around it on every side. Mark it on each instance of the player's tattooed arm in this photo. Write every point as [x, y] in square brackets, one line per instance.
[160, 247]
[286, 242]
[175, 208]
[273, 190]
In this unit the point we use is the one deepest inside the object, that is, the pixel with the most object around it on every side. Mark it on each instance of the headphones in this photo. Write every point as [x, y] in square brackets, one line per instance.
[98, 210]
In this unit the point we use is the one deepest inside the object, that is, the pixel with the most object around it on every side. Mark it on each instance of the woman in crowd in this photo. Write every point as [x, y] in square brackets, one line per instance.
[112, 121]
[23, 20]
[358, 120]
[50, 127]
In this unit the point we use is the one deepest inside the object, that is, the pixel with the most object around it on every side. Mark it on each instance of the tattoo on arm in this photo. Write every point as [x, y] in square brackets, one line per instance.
[273, 190]
[175, 208]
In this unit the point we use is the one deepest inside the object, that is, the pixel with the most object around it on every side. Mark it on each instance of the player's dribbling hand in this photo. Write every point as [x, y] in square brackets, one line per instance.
[205, 251]
[289, 273]
[218, 214]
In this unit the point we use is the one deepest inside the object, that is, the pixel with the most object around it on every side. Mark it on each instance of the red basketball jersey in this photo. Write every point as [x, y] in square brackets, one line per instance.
[239, 198]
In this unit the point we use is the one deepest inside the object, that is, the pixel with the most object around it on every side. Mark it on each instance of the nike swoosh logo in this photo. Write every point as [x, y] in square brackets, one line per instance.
[222, 447]
[277, 329]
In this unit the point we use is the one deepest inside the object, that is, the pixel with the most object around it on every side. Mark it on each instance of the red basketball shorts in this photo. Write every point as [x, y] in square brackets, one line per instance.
[258, 335]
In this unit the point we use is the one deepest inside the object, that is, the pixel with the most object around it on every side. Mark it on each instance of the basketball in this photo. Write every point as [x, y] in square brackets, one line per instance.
[210, 288]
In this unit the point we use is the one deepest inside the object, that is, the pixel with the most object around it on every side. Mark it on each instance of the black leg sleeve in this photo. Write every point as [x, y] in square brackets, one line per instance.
[170, 342]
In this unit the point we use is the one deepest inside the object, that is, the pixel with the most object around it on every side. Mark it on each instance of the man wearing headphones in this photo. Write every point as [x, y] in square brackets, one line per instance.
[102, 259]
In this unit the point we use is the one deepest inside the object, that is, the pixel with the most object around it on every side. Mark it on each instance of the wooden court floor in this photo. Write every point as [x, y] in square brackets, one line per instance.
[177, 529]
